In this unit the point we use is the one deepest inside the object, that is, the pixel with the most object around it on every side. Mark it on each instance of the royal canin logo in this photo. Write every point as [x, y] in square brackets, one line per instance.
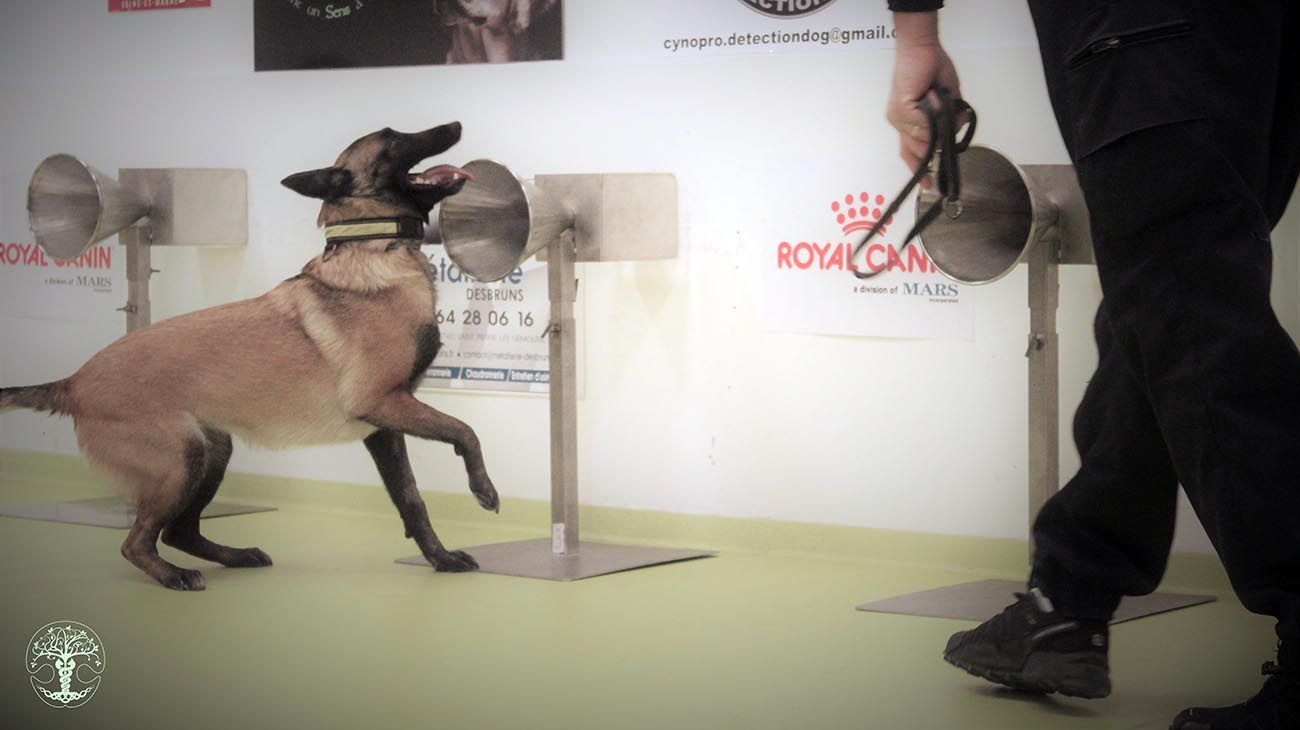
[30, 255]
[860, 213]
[855, 214]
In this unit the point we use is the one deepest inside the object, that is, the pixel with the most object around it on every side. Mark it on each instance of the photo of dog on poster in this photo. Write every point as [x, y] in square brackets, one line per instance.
[315, 34]
[501, 31]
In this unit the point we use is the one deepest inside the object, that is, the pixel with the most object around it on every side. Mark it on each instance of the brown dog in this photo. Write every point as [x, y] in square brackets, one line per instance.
[333, 354]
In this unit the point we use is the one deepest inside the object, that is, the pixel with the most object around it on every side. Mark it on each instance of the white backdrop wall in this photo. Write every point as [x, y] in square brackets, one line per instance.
[690, 404]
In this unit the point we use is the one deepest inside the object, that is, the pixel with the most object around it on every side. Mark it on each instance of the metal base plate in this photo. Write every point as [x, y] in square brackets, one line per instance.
[981, 600]
[534, 559]
[109, 512]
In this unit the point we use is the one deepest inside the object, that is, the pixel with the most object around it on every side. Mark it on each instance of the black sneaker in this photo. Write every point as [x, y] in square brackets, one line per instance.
[1276, 707]
[1030, 647]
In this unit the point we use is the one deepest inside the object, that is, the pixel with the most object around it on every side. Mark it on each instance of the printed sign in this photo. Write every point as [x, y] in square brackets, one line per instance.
[82, 289]
[493, 335]
[318, 34]
[811, 287]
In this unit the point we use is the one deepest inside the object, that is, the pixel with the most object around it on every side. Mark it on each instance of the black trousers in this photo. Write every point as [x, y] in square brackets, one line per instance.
[1183, 121]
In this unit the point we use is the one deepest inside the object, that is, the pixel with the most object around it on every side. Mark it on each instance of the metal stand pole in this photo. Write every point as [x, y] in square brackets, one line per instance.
[1043, 354]
[634, 217]
[139, 268]
[1068, 240]
[563, 288]
[564, 557]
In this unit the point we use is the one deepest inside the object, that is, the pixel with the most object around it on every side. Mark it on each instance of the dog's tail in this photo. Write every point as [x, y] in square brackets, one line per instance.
[50, 397]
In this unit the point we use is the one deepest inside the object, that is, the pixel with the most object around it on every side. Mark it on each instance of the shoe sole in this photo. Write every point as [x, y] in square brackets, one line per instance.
[1082, 675]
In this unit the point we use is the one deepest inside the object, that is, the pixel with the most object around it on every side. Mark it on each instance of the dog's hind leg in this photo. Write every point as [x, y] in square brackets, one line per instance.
[162, 491]
[400, 411]
[388, 449]
[183, 532]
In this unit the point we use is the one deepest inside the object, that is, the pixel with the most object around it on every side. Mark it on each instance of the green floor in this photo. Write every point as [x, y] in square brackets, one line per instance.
[335, 635]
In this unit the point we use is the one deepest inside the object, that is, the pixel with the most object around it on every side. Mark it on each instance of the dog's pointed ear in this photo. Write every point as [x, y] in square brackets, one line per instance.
[325, 183]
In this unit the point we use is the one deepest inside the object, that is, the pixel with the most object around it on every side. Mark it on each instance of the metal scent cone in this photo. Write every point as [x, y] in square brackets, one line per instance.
[1002, 215]
[498, 220]
[71, 206]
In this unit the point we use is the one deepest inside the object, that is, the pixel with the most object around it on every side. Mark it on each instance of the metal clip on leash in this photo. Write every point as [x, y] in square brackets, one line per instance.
[941, 153]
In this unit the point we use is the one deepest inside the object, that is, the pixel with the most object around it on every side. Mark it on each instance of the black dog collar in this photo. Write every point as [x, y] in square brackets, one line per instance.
[369, 229]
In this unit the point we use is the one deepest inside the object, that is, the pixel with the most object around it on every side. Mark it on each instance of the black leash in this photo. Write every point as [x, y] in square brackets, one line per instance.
[944, 143]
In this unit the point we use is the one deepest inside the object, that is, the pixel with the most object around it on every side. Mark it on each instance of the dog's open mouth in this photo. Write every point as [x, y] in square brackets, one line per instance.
[448, 179]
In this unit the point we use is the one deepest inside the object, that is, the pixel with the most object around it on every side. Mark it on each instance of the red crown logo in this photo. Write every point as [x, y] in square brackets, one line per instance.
[859, 212]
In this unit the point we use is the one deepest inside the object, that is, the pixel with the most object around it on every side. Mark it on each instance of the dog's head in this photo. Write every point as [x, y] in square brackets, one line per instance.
[373, 177]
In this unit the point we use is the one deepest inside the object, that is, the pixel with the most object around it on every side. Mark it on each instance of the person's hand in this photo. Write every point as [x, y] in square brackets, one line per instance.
[920, 64]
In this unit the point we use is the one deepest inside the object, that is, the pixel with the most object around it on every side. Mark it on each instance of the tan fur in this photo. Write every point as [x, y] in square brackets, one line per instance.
[280, 370]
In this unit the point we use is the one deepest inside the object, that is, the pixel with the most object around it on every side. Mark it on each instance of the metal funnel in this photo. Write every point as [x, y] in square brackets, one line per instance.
[71, 206]
[498, 220]
[1002, 215]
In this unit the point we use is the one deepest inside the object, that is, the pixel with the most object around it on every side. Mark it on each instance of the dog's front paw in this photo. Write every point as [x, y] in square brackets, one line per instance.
[486, 494]
[184, 580]
[455, 561]
[248, 558]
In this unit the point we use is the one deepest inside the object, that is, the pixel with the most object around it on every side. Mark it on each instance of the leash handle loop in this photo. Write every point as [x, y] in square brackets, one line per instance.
[943, 148]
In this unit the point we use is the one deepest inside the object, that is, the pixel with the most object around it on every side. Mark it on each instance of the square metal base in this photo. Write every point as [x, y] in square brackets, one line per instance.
[982, 600]
[109, 511]
[534, 559]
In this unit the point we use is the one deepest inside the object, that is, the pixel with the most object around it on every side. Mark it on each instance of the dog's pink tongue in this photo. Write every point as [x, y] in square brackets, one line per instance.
[442, 175]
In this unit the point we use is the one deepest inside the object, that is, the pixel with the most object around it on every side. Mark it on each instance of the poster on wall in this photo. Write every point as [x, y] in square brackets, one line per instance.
[810, 286]
[493, 334]
[90, 287]
[324, 34]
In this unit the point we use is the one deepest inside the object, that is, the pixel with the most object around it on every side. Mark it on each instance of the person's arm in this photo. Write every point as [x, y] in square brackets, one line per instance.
[920, 63]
